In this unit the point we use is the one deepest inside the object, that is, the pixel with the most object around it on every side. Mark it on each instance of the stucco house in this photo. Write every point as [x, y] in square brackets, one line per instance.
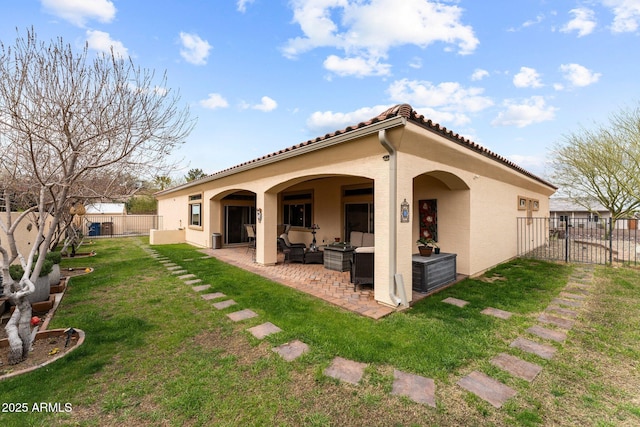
[384, 177]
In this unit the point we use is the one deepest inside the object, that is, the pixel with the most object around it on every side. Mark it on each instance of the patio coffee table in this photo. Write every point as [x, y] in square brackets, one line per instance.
[338, 257]
[313, 257]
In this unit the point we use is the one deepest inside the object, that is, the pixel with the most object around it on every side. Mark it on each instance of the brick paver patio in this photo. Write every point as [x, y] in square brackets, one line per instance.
[313, 279]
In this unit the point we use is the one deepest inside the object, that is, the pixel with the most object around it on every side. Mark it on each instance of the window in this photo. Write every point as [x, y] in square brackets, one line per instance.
[594, 217]
[195, 210]
[298, 209]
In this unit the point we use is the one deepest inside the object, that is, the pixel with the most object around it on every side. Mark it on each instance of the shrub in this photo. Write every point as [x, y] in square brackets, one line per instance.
[16, 271]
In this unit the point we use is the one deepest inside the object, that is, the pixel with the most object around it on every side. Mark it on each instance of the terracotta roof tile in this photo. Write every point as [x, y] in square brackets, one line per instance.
[406, 111]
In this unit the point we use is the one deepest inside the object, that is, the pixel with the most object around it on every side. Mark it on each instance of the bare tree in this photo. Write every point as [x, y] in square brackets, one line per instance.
[602, 164]
[67, 122]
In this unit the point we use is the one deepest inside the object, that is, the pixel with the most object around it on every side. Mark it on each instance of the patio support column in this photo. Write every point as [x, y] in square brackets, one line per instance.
[267, 229]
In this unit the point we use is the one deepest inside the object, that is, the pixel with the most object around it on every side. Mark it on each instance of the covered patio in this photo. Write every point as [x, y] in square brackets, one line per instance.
[313, 279]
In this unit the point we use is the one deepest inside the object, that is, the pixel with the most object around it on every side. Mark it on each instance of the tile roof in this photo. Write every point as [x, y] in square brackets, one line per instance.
[400, 110]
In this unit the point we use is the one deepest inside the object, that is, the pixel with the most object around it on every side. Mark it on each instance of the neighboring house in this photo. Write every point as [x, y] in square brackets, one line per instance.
[106, 209]
[586, 214]
[565, 209]
[398, 176]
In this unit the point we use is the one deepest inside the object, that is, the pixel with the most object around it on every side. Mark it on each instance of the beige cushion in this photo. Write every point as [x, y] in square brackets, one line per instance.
[355, 238]
[365, 250]
[285, 237]
[368, 239]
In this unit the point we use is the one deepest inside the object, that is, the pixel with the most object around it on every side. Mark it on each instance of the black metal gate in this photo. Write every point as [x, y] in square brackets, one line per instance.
[580, 240]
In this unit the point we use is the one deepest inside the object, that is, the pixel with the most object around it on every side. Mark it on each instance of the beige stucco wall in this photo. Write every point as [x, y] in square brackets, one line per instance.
[166, 237]
[477, 200]
[24, 234]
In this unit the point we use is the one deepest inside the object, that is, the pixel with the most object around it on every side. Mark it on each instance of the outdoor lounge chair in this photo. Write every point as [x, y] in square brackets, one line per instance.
[362, 266]
[291, 253]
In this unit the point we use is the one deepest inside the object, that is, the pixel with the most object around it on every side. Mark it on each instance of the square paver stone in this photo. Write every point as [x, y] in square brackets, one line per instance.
[417, 388]
[487, 388]
[542, 350]
[192, 282]
[346, 370]
[177, 272]
[245, 314]
[214, 295]
[263, 330]
[455, 301]
[201, 288]
[516, 366]
[187, 276]
[496, 312]
[224, 304]
[291, 350]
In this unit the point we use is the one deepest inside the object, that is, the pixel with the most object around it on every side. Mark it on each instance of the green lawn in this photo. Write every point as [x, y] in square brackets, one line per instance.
[158, 354]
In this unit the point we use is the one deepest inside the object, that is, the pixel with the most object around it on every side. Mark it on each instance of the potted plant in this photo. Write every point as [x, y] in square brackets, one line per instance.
[426, 246]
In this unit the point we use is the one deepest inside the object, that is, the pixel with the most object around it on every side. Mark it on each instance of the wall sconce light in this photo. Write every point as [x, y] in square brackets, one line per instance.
[385, 157]
[404, 211]
[259, 214]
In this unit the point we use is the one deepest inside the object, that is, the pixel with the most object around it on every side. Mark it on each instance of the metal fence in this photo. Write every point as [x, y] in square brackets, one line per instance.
[120, 225]
[580, 240]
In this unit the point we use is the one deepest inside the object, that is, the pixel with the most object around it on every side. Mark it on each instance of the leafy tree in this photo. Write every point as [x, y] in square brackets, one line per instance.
[602, 164]
[194, 174]
[71, 126]
[162, 182]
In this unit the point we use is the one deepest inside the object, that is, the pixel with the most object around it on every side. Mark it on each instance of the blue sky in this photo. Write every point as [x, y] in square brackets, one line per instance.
[513, 76]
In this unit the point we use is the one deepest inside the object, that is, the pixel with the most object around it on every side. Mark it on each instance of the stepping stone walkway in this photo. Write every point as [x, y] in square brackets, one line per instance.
[264, 330]
[417, 388]
[555, 321]
[487, 388]
[346, 370]
[193, 282]
[215, 295]
[496, 312]
[291, 351]
[245, 314]
[543, 350]
[571, 296]
[421, 389]
[516, 366]
[224, 304]
[455, 301]
[549, 334]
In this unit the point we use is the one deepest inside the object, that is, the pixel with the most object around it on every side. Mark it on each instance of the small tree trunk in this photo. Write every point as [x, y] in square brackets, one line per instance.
[19, 331]
[19, 326]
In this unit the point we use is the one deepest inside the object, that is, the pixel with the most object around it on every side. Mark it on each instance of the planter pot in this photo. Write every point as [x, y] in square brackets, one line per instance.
[425, 250]
[54, 276]
[436, 250]
[42, 290]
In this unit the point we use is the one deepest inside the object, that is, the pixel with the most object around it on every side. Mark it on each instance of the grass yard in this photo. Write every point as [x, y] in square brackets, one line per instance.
[158, 354]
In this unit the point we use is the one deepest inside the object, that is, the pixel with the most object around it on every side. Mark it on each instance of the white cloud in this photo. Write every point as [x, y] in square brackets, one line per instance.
[215, 100]
[242, 5]
[416, 63]
[626, 15]
[328, 121]
[78, 12]
[579, 75]
[358, 67]
[583, 22]
[527, 77]
[479, 74]
[102, 42]
[447, 101]
[194, 49]
[267, 104]
[368, 30]
[525, 113]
